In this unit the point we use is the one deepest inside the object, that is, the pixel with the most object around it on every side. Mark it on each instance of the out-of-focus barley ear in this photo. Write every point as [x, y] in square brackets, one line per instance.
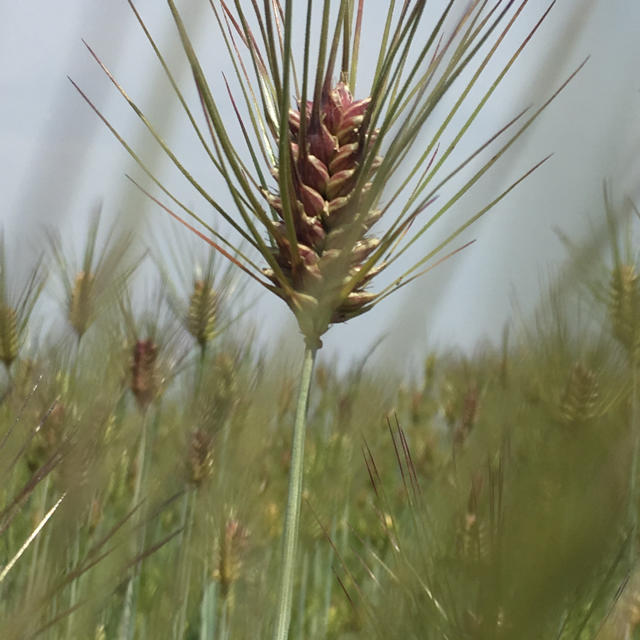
[145, 377]
[581, 400]
[224, 388]
[8, 335]
[16, 307]
[153, 348]
[80, 311]
[201, 316]
[232, 547]
[91, 283]
[199, 457]
[624, 308]
[204, 295]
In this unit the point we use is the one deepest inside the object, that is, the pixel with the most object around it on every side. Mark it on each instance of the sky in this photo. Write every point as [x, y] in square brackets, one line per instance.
[58, 161]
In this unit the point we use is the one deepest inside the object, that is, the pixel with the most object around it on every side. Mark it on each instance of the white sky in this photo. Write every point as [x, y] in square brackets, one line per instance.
[57, 160]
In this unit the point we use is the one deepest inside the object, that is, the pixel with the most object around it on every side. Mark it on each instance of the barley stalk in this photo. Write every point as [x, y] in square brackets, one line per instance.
[294, 498]
[127, 622]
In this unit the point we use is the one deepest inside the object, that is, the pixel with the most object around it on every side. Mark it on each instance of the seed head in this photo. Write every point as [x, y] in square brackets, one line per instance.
[232, 545]
[326, 162]
[200, 457]
[81, 302]
[581, 399]
[144, 381]
[201, 314]
[9, 345]
[624, 308]
[224, 393]
[15, 310]
[91, 283]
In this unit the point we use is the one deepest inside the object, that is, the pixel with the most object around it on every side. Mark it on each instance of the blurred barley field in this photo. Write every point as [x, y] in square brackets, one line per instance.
[149, 425]
[146, 443]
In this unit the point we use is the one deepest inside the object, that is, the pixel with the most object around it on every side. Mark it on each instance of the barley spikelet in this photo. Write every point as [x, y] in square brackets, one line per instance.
[144, 382]
[325, 171]
[224, 391]
[9, 344]
[624, 308]
[474, 539]
[81, 302]
[231, 547]
[201, 315]
[200, 457]
[580, 401]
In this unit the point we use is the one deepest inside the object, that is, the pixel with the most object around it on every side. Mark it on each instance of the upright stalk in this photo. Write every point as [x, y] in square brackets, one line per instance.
[292, 513]
[127, 623]
[184, 562]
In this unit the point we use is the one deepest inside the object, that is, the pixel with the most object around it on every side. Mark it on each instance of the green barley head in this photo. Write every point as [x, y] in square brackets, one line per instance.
[9, 345]
[201, 314]
[199, 457]
[581, 400]
[16, 308]
[91, 283]
[624, 308]
[80, 304]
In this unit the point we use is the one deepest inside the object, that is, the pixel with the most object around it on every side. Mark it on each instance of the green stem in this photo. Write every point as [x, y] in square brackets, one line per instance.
[292, 513]
[36, 559]
[184, 562]
[73, 596]
[127, 623]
